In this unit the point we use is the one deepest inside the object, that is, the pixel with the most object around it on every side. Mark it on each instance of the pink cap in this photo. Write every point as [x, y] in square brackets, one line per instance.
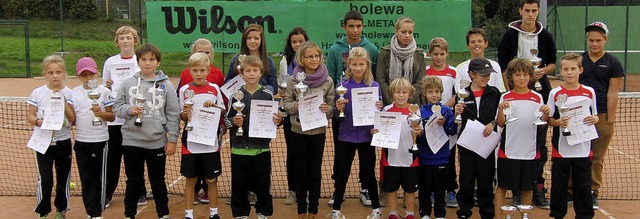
[86, 64]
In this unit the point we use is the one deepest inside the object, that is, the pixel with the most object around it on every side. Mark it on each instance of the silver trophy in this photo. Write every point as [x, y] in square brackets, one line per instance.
[564, 109]
[508, 112]
[462, 93]
[140, 100]
[536, 62]
[238, 106]
[189, 103]
[282, 85]
[341, 90]
[94, 96]
[240, 60]
[436, 109]
[508, 210]
[538, 114]
[525, 210]
[301, 88]
[414, 122]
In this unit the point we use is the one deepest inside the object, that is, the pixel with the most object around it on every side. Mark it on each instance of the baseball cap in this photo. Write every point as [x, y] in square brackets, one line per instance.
[86, 64]
[597, 26]
[481, 66]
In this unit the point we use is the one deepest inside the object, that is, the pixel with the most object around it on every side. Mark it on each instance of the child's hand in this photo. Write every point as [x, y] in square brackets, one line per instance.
[96, 110]
[441, 121]
[186, 109]
[238, 120]
[170, 148]
[136, 110]
[277, 118]
[374, 131]
[324, 108]
[538, 74]
[417, 130]
[488, 129]
[460, 108]
[564, 121]
[340, 104]
[379, 105]
[590, 120]
[504, 105]
[108, 83]
[544, 109]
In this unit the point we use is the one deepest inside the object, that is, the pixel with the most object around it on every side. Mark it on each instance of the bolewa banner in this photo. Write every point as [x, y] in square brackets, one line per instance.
[175, 25]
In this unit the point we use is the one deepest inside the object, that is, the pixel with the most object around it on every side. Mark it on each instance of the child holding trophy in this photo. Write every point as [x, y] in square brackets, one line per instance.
[92, 105]
[354, 137]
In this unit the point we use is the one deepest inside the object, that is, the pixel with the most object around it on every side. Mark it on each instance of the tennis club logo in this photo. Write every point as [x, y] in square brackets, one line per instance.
[186, 20]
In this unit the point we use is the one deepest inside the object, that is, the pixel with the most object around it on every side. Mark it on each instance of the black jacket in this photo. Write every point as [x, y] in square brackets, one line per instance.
[245, 141]
[488, 107]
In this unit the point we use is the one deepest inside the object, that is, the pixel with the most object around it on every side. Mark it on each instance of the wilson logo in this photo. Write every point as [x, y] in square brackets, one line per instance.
[213, 21]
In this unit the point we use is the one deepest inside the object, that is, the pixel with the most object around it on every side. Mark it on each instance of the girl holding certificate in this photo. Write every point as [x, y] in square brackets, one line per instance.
[355, 138]
[57, 142]
[311, 80]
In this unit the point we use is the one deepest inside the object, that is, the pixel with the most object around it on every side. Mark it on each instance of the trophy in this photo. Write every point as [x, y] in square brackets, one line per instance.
[508, 112]
[301, 88]
[281, 92]
[140, 100]
[414, 122]
[188, 103]
[341, 90]
[94, 96]
[436, 109]
[462, 93]
[508, 210]
[238, 106]
[564, 109]
[536, 62]
[240, 59]
[538, 114]
[525, 210]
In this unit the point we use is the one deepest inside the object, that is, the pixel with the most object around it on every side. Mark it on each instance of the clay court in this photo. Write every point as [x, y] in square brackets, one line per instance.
[619, 197]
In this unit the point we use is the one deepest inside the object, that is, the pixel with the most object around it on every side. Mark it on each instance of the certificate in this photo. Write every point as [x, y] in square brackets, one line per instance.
[205, 121]
[580, 132]
[53, 112]
[40, 140]
[232, 86]
[261, 120]
[436, 137]
[389, 126]
[119, 72]
[309, 112]
[472, 139]
[363, 106]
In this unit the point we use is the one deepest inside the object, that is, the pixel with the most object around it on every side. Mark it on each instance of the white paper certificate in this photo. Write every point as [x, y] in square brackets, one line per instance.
[472, 139]
[53, 112]
[40, 140]
[311, 116]
[205, 121]
[436, 137]
[389, 126]
[261, 120]
[363, 106]
[580, 132]
[232, 86]
[119, 72]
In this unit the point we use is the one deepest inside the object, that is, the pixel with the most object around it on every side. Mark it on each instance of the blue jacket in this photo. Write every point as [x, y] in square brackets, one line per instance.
[347, 132]
[427, 157]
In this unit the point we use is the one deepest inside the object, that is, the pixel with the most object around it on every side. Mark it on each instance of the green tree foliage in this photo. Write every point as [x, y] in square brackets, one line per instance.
[82, 10]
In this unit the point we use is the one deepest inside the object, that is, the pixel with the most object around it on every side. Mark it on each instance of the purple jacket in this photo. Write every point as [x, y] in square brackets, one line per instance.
[347, 132]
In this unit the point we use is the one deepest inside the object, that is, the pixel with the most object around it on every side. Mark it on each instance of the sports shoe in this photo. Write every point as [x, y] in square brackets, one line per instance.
[410, 216]
[107, 203]
[393, 216]
[59, 215]
[433, 201]
[188, 218]
[149, 194]
[215, 216]
[142, 200]
[374, 215]
[364, 198]
[517, 199]
[332, 200]
[165, 217]
[42, 217]
[425, 217]
[569, 198]
[594, 200]
[196, 199]
[451, 200]
[261, 216]
[242, 217]
[228, 201]
[204, 198]
[252, 198]
[290, 199]
[539, 199]
[337, 215]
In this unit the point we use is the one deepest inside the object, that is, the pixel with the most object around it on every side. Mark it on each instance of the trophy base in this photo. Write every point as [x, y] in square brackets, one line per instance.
[512, 120]
[138, 123]
[97, 122]
[239, 134]
[566, 133]
[540, 123]
[188, 128]
[341, 115]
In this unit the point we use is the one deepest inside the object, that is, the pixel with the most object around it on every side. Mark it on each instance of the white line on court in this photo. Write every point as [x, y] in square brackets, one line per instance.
[606, 213]
[626, 155]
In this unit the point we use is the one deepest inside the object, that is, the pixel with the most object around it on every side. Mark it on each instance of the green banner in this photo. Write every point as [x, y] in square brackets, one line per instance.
[175, 25]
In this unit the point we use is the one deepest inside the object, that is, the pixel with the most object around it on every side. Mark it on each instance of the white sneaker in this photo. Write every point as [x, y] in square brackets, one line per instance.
[261, 216]
[337, 215]
[374, 215]
[242, 217]
[290, 199]
[364, 198]
[252, 198]
[425, 217]
[440, 218]
[331, 200]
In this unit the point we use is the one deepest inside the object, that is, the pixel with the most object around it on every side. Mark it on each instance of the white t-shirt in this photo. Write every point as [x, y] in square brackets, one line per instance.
[117, 69]
[495, 80]
[584, 94]
[38, 99]
[85, 130]
[519, 137]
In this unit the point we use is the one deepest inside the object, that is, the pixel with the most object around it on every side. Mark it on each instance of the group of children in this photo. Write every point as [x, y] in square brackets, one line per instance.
[142, 109]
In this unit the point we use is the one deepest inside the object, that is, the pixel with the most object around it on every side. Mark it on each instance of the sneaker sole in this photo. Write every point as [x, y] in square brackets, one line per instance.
[452, 206]
[142, 203]
[545, 207]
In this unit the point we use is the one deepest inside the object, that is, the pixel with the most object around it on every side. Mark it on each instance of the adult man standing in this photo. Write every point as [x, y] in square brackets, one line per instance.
[603, 72]
[527, 38]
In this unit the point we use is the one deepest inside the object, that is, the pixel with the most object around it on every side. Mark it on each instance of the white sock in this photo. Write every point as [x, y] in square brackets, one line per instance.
[409, 212]
[213, 211]
[188, 213]
[376, 210]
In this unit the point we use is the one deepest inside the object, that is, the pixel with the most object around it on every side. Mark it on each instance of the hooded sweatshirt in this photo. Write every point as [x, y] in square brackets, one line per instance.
[339, 52]
[161, 111]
